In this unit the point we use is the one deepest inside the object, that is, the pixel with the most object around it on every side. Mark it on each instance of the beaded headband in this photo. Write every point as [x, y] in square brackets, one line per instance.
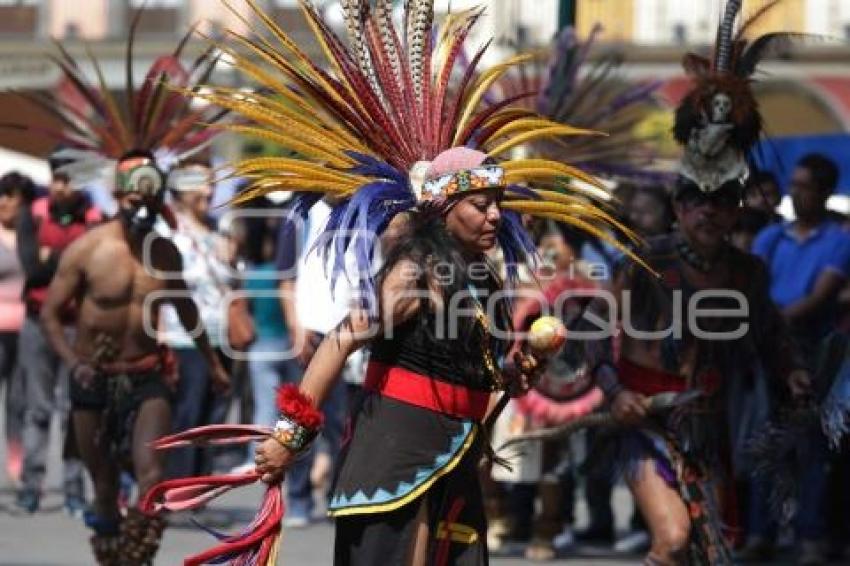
[477, 178]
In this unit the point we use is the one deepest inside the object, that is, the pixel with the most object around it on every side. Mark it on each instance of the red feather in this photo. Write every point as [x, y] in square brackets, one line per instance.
[212, 434]
[482, 116]
[695, 65]
[373, 107]
[410, 101]
[451, 122]
[387, 82]
[427, 101]
[163, 67]
[443, 83]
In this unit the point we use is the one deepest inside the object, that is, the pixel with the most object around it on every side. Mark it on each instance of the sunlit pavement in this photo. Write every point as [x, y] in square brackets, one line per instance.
[51, 538]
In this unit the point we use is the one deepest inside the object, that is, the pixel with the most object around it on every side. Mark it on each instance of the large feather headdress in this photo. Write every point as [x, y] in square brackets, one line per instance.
[156, 119]
[389, 102]
[718, 121]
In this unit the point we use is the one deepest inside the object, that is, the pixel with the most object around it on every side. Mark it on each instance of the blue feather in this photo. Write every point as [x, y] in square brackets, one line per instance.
[373, 167]
[355, 224]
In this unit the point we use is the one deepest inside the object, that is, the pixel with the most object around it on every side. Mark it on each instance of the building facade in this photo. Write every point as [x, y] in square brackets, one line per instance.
[680, 22]
[656, 32]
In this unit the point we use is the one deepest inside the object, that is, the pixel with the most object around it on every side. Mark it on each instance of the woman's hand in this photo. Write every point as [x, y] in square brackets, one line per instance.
[528, 372]
[272, 460]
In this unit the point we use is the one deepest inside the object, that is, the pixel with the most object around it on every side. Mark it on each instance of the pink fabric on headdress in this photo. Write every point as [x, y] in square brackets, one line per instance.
[455, 159]
[450, 161]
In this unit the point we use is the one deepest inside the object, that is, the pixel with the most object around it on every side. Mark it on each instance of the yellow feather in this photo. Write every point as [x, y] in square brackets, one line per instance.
[550, 132]
[310, 133]
[338, 160]
[452, 24]
[286, 183]
[304, 114]
[276, 60]
[278, 32]
[555, 196]
[536, 124]
[560, 169]
[529, 175]
[341, 76]
[303, 168]
[586, 227]
[573, 210]
[506, 114]
[470, 104]
[264, 78]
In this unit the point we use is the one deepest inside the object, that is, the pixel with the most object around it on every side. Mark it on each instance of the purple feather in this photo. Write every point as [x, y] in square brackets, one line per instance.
[638, 93]
[523, 191]
[354, 225]
[517, 246]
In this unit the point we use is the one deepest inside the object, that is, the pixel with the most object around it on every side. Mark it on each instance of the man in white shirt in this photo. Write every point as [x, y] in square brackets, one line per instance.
[311, 311]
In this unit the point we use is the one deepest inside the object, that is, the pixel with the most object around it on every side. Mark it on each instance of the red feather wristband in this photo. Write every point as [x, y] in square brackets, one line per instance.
[297, 407]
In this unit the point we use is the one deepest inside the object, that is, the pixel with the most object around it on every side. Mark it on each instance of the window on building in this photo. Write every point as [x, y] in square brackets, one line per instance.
[20, 17]
[160, 17]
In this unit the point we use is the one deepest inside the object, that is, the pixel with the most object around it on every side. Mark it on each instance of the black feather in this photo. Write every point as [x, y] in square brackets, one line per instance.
[765, 46]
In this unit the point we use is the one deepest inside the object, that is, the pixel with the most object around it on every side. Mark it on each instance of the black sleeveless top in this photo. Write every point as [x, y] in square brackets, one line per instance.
[449, 358]
[446, 346]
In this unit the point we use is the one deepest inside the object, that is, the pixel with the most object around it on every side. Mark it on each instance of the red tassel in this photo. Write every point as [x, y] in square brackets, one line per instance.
[213, 435]
[257, 545]
[189, 493]
[260, 538]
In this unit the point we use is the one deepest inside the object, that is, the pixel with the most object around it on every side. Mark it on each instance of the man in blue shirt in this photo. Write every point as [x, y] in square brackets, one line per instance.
[808, 259]
[809, 263]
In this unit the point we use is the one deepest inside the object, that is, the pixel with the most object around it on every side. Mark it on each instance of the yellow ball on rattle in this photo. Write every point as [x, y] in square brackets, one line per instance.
[546, 335]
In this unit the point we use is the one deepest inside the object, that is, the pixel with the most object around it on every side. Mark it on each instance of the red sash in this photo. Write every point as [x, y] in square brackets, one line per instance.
[423, 391]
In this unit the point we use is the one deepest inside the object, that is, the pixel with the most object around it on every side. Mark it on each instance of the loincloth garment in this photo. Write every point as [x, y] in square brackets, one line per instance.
[119, 390]
[683, 452]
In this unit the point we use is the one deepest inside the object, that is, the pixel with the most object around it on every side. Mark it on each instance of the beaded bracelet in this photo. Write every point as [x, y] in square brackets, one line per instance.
[292, 435]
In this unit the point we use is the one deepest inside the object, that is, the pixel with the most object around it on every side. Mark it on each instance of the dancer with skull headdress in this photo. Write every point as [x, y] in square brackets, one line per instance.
[675, 462]
[121, 379]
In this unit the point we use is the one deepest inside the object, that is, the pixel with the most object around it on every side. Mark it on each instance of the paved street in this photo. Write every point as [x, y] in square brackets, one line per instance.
[50, 538]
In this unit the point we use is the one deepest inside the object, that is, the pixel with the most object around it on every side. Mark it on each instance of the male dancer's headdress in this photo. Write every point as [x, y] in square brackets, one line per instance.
[718, 121]
[571, 88]
[367, 130]
[155, 126]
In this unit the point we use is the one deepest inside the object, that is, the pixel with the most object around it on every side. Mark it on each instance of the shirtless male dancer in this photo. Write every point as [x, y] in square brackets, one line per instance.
[121, 387]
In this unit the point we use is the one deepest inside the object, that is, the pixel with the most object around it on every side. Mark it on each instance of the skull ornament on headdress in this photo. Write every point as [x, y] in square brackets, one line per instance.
[718, 121]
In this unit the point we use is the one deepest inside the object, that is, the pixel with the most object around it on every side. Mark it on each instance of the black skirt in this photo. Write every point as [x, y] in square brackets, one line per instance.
[399, 458]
